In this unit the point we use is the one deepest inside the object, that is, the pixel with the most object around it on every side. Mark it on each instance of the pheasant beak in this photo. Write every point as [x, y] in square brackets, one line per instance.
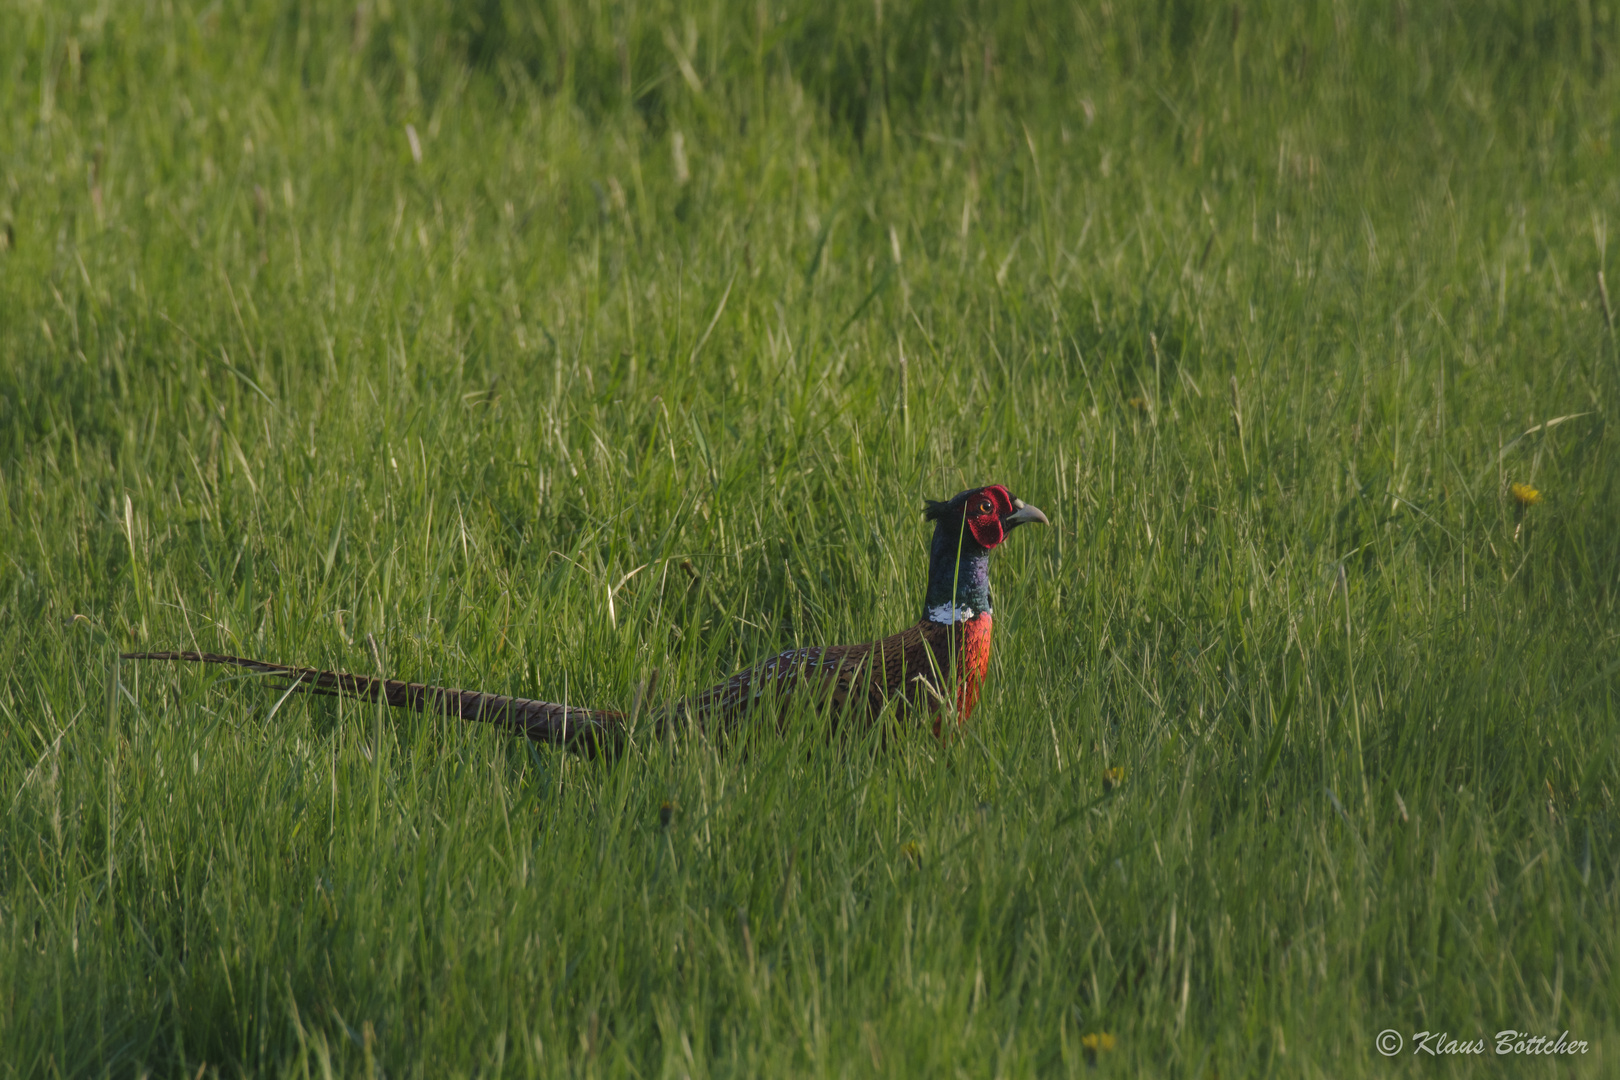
[1023, 514]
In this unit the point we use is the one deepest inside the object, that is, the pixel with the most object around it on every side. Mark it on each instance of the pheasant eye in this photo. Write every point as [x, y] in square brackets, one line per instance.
[985, 507]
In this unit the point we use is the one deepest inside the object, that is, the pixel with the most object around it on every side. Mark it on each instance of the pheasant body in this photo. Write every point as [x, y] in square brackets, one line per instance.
[933, 668]
[921, 668]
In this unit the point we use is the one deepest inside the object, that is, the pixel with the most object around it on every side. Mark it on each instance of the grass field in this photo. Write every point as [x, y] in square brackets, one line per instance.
[554, 343]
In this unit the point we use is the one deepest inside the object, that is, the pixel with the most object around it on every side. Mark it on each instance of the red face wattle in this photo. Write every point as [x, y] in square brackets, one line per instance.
[985, 509]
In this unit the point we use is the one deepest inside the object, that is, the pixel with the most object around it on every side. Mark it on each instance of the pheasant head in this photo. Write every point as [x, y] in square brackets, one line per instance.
[966, 529]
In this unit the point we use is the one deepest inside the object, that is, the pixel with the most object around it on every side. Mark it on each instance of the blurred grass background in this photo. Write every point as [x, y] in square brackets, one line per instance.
[551, 343]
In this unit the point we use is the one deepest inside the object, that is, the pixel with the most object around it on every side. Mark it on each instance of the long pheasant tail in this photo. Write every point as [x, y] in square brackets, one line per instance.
[586, 731]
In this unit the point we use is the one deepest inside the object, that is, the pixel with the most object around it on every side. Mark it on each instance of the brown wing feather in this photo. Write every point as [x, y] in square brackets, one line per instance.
[853, 681]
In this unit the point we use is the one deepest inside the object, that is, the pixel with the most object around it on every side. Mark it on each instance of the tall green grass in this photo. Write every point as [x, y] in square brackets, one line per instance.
[551, 344]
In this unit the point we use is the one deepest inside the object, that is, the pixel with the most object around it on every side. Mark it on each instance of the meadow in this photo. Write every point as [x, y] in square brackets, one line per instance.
[550, 344]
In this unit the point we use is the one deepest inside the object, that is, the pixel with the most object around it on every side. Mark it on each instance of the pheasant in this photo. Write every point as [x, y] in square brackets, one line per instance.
[933, 668]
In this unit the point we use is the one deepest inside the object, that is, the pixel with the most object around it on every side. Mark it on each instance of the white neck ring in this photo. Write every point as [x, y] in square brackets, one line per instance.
[953, 613]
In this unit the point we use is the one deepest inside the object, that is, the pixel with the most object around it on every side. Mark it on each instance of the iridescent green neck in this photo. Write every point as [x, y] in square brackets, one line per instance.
[958, 575]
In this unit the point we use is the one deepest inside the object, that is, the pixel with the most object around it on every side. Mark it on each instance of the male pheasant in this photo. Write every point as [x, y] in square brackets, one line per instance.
[933, 667]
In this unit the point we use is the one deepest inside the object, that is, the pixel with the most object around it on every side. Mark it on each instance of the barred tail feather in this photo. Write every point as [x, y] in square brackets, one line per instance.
[589, 731]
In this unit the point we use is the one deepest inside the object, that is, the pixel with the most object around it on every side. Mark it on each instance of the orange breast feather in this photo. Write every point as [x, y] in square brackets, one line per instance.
[974, 663]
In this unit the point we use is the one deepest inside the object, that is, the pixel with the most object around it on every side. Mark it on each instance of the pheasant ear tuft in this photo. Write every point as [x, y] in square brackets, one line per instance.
[934, 510]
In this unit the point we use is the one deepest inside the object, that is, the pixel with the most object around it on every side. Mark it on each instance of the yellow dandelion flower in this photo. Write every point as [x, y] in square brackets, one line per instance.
[1525, 494]
[912, 853]
[1138, 403]
[1113, 778]
[1095, 1042]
